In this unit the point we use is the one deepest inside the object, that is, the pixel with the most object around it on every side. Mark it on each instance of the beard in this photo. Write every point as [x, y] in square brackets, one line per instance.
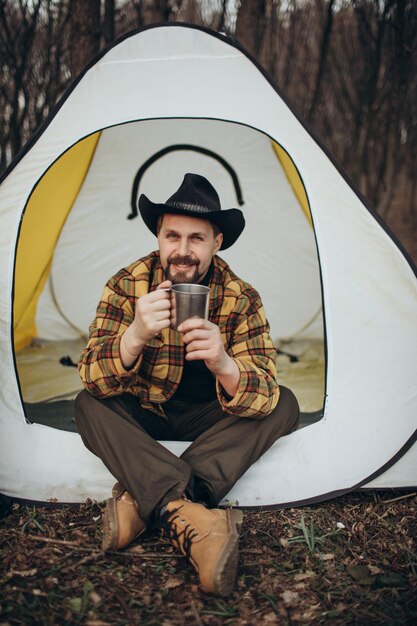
[182, 277]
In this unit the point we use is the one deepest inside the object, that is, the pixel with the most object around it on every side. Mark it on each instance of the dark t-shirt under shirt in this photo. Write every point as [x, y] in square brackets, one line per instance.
[197, 385]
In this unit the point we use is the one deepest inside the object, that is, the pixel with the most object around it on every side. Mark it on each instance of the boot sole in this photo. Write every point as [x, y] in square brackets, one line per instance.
[111, 527]
[224, 576]
[110, 523]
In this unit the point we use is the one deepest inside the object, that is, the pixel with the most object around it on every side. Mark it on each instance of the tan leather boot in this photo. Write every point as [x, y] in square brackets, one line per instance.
[209, 538]
[121, 520]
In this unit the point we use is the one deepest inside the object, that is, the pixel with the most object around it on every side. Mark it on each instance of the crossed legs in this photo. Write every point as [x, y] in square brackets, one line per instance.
[156, 485]
[125, 437]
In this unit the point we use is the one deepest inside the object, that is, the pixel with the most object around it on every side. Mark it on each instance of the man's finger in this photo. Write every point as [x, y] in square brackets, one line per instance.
[163, 323]
[197, 333]
[197, 355]
[158, 294]
[167, 284]
[193, 323]
[161, 305]
[160, 315]
[202, 344]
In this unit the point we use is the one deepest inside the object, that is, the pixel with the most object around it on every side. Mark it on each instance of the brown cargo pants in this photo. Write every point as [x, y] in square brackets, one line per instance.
[125, 437]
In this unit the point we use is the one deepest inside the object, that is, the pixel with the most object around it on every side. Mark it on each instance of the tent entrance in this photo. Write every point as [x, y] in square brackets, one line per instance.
[80, 227]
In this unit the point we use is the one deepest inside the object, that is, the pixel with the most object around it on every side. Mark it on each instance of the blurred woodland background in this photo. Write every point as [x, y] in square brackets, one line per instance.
[347, 67]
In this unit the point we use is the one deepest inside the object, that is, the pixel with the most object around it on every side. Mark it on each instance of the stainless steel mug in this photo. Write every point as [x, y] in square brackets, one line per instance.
[188, 300]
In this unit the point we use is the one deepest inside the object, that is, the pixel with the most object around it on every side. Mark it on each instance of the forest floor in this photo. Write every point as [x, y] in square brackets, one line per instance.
[352, 560]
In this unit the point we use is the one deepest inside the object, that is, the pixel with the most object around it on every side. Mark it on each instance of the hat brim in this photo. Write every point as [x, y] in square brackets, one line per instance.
[231, 222]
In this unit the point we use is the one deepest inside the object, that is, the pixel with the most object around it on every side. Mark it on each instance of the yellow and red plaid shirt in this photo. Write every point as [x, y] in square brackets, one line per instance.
[235, 307]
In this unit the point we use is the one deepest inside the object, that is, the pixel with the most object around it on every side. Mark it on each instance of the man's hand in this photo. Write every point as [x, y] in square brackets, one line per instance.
[204, 342]
[152, 315]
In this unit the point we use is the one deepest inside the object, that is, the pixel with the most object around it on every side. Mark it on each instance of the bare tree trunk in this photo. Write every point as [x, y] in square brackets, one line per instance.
[17, 97]
[222, 16]
[108, 25]
[290, 47]
[322, 59]
[155, 11]
[250, 25]
[401, 75]
[272, 47]
[85, 33]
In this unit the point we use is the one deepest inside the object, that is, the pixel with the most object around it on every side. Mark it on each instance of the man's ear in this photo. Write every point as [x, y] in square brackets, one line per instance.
[218, 242]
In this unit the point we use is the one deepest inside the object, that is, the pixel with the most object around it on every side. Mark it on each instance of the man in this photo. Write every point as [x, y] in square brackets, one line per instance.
[211, 382]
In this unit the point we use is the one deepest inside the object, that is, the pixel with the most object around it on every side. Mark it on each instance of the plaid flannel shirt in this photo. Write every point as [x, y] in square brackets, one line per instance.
[235, 307]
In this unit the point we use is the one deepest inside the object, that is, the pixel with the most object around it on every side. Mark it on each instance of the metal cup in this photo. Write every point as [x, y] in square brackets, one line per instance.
[188, 300]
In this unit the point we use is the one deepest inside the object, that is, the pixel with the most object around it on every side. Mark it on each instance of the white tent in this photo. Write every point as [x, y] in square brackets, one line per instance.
[177, 98]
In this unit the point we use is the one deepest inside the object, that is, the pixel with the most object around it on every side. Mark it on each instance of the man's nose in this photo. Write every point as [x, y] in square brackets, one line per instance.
[183, 247]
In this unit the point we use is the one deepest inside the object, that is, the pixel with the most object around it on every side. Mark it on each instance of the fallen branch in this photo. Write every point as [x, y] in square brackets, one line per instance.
[407, 495]
[74, 544]
[86, 559]
[60, 542]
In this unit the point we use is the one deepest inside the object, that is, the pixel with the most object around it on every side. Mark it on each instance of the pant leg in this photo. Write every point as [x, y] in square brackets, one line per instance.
[223, 453]
[111, 428]
[188, 422]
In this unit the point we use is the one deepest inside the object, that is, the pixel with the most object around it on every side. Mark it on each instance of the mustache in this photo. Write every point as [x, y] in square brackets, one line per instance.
[183, 260]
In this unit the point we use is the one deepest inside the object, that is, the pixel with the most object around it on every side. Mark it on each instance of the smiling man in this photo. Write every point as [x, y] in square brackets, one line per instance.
[211, 382]
[186, 247]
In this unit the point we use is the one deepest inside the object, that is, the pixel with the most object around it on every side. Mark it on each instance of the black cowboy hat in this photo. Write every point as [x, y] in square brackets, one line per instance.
[196, 197]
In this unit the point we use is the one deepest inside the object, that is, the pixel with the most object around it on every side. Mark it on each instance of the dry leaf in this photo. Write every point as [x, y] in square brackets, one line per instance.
[303, 576]
[94, 597]
[50, 581]
[138, 549]
[290, 598]
[252, 551]
[172, 583]
[361, 574]
[24, 572]
[309, 613]
[271, 617]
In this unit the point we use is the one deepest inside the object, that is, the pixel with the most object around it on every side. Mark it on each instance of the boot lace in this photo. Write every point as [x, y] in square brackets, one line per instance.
[181, 539]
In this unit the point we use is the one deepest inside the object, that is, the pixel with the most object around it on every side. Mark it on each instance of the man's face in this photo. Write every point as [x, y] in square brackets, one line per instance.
[186, 247]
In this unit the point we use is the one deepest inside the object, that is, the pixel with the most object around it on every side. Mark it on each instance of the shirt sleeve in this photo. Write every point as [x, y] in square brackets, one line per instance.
[251, 347]
[101, 369]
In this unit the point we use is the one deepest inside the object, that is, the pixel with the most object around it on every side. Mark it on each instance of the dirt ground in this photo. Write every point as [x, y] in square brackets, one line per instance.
[352, 560]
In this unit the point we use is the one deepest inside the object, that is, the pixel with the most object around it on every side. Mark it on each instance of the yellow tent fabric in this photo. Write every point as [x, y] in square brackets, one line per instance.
[45, 215]
[294, 179]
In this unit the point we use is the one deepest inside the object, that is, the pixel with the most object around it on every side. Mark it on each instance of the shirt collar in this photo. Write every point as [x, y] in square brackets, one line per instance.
[216, 284]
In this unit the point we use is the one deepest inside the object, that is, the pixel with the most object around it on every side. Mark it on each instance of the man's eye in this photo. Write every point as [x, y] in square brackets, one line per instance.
[197, 237]
[171, 236]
